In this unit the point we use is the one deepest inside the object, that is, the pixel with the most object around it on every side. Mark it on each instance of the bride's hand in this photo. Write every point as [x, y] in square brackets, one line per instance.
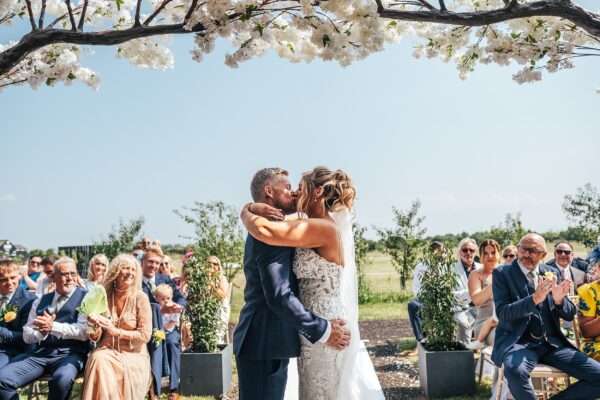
[267, 211]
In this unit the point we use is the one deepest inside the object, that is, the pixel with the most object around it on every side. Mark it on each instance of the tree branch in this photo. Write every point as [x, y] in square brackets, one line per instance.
[42, 14]
[138, 7]
[30, 12]
[584, 19]
[188, 15]
[71, 17]
[156, 12]
[82, 17]
[35, 40]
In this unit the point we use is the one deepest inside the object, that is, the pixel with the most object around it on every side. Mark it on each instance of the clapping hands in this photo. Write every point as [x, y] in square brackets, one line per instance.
[549, 285]
[171, 308]
[44, 322]
[103, 322]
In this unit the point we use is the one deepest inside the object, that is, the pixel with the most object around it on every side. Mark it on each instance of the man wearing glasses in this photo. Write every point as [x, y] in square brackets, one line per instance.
[465, 312]
[563, 261]
[529, 303]
[59, 331]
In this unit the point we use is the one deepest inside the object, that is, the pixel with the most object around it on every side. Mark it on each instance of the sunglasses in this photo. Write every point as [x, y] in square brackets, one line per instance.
[509, 256]
[565, 252]
[34, 262]
[468, 251]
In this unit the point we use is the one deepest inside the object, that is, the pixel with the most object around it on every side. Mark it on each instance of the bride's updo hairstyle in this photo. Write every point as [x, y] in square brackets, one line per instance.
[338, 190]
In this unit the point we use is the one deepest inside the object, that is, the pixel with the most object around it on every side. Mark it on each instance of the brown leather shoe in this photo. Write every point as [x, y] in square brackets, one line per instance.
[173, 396]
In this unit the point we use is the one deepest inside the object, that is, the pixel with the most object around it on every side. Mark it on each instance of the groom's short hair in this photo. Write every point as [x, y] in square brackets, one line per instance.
[262, 178]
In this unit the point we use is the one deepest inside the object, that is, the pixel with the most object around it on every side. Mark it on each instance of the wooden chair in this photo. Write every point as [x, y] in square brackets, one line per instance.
[36, 391]
[543, 371]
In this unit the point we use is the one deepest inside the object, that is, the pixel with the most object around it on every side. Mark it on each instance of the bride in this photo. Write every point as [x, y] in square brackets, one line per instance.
[324, 265]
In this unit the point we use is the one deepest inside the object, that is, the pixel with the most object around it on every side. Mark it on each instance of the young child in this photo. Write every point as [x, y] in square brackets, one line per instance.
[164, 295]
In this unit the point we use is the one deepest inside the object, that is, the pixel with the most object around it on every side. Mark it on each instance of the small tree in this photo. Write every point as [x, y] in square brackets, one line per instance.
[437, 297]
[203, 306]
[510, 233]
[122, 239]
[217, 233]
[583, 209]
[361, 255]
[405, 242]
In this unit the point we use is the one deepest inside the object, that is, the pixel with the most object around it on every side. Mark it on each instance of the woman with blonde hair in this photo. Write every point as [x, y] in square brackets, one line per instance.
[119, 368]
[324, 264]
[223, 292]
[96, 270]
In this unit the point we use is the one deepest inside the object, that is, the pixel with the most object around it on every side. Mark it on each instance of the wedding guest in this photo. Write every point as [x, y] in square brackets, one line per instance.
[464, 313]
[34, 271]
[529, 304]
[15, 304]
[563, 258]
[45, 283]
[223, 292]
[166, 267]
[119, 368]
[589, 312]
[151, 279]
[171, 321]
[96, 271]
[509, 254]
[415, 306]
[480, 290]
[60, 332]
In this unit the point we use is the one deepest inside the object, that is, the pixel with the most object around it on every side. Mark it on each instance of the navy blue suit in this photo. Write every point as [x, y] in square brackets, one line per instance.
[266, 336]
[11, 333]
[62, 358]
[521, 322]
[165, 358]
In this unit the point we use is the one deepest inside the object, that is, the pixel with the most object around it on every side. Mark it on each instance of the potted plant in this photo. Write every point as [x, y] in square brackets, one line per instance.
[206, 367]
[446, 368]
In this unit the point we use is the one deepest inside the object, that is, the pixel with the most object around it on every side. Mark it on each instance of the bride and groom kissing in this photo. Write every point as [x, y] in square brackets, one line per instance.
[301, 295]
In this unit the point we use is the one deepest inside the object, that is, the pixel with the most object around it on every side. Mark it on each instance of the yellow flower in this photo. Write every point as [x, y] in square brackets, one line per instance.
[10, 316]
[158, 336]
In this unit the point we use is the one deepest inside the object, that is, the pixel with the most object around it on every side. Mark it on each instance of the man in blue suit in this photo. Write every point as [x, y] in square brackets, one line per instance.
[266, 336]
[158, 357]
[60, 333]
[15, 303]
[529, 305]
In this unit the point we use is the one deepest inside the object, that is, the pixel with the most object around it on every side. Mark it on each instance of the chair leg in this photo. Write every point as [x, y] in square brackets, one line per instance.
[481, 362]
[500, 383]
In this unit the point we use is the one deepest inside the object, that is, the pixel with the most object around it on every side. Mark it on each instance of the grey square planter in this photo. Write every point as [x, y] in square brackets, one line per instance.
[206, 374]
[446, 373]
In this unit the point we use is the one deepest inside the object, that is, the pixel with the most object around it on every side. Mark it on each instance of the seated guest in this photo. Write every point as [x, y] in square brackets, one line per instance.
[464, 314]
[509, 254]
[150, 280]
[589, 312]
[529, 303]
[563, 258]
[15, 304]
[166, 267]
[119, 368]
[171, 321]
[61, 336]
[480, 290]
[415, 306]
[33, 273]
[96, 270]
[45, 284]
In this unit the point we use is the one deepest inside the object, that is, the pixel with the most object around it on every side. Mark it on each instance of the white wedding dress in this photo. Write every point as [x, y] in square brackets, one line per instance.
[330, 291]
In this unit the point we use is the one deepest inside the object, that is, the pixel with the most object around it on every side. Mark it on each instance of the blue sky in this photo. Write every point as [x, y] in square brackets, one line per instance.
[148, 142]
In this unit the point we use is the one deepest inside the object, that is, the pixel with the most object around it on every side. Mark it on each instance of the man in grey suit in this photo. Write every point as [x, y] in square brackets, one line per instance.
[563, 259]
[465, 311]
[272, 318]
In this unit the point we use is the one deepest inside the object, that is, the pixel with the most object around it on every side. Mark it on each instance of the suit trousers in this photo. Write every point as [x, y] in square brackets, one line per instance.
[262, 379]
[62, 367]
[519, 363]
[173, 342]
[414, 315]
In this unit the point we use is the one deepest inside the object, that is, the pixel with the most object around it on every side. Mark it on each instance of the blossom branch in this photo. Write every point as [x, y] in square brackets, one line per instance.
[82, 17]
[42, 14]
[30, 12]
[71, 17]
[157, 11]
[584, 19]
[138, 7]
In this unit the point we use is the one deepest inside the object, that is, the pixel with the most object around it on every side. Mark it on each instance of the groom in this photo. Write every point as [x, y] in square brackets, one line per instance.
[266, 336]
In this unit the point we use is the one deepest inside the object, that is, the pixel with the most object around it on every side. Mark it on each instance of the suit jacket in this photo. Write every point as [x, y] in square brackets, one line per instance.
[11, 333]
[272, 315]
[514, 308]
[577, 274]
[461, 293]
[158, 280]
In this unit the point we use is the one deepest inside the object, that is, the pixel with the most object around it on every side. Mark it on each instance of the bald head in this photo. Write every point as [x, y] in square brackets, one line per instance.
[531, 250]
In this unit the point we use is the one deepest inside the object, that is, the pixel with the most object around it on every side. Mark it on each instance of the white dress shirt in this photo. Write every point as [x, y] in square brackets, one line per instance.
[420, 270]
[62, 330]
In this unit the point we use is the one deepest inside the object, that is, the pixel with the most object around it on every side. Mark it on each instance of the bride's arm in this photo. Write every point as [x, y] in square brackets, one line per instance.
[306, 233]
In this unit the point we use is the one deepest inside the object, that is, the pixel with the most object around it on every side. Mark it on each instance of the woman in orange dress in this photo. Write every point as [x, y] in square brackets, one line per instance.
[119, 368]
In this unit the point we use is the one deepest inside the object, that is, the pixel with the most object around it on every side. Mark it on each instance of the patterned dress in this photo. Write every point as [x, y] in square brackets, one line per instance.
[589, 306]
[319, 292]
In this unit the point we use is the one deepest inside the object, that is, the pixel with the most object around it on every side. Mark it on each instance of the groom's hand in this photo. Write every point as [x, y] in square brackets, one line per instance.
[265, 210]
[340, 336]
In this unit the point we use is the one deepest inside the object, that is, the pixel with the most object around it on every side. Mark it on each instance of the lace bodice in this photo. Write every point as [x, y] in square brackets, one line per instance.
[319, 284]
